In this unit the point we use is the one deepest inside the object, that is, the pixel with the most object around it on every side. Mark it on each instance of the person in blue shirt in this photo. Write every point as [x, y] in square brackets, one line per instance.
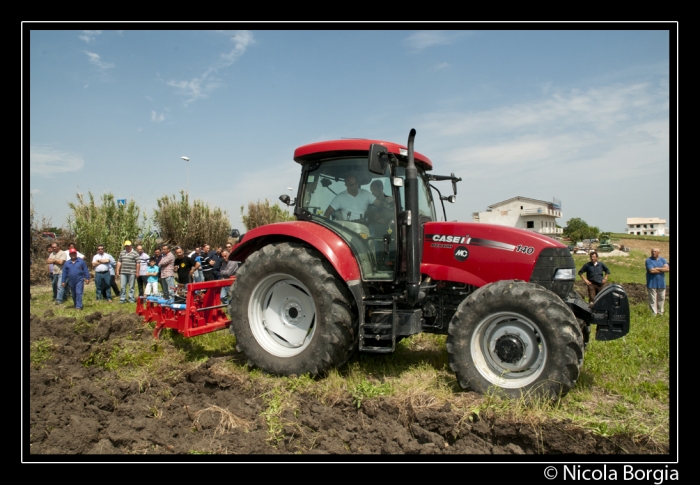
[75, 275]
[656, 281]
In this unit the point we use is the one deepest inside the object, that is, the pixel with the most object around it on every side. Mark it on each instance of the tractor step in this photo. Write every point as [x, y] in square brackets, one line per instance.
[378, 335]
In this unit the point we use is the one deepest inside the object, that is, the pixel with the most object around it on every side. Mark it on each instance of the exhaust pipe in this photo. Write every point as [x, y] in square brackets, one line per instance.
[413, 257]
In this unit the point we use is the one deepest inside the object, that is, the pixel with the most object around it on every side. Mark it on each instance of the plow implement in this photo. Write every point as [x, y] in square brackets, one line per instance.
[194, 309]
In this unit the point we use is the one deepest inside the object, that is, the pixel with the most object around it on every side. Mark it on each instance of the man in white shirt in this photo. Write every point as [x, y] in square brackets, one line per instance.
[350, 204]
[102, 262]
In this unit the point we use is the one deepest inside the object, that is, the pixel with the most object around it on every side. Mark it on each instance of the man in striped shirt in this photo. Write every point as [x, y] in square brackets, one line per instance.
[167, 272]
[126, 271]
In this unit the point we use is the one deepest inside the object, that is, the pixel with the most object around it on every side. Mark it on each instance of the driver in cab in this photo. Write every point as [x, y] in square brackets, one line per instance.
[350, 204]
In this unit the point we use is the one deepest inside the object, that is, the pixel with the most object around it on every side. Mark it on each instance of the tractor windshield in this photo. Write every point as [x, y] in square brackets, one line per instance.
[360, 206]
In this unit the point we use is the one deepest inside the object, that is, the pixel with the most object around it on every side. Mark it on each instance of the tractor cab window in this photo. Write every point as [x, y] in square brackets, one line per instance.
[358, 205]
[426, 208]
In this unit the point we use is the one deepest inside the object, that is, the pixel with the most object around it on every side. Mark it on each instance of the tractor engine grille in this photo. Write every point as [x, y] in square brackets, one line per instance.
[549, 261]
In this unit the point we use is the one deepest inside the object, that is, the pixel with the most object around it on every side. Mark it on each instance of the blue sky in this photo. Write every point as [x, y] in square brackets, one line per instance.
[580, 115]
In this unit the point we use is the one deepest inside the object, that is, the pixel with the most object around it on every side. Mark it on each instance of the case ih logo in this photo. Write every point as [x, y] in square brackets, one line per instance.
[475, 241]
[461, 253]
[446, 239]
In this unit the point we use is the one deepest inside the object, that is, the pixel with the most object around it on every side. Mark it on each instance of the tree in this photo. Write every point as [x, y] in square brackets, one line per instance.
[577, 229]
[107, 223]
[261, 213]
[190, 226]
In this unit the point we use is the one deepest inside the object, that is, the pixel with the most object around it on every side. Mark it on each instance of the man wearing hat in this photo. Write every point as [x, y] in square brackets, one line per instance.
[75, 275]
[126, 271]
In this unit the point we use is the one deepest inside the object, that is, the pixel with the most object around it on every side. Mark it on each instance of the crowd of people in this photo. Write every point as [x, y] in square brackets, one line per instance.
[136, 271]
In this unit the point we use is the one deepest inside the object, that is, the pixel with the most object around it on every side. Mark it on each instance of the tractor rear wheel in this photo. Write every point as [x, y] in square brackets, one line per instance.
[290, 311]
[515, 337]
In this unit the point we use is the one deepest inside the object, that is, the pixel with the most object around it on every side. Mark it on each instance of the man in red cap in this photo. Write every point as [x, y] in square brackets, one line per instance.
[75, 274]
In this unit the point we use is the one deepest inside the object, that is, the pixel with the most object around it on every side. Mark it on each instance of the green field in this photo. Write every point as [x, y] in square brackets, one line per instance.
[624, 385]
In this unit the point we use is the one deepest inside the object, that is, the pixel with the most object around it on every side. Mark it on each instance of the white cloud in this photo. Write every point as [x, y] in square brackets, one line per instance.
[431, 38]
[621, 131]
[241, 40]
[202, 86]
[97, 62]
[89, 36]
[48, 161]
[442, 65]
[157, 117]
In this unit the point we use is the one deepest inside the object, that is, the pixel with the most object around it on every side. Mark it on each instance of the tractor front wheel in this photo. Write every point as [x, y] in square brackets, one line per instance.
[290, 311]
[517, 338]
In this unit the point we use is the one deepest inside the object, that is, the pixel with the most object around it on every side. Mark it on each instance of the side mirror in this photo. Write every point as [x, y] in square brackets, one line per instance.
[235, 233]
[378, 159]
[285, 199]
[454, 184]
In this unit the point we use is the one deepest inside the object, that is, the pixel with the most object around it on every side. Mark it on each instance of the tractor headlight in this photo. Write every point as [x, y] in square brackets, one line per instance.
[565, 274]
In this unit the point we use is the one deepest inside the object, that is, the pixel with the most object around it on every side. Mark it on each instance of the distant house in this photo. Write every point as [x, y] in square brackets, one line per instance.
[646, 226]
[531, 214]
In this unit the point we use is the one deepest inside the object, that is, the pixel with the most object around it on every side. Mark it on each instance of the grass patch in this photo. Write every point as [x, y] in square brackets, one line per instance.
[40, 352]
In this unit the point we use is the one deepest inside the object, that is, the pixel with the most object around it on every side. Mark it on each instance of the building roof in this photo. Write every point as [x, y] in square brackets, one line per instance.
[519, 197]
[645, 220]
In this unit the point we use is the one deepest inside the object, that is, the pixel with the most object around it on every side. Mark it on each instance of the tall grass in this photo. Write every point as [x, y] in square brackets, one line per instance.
[261, 213]
[105, 223]
[191, 225]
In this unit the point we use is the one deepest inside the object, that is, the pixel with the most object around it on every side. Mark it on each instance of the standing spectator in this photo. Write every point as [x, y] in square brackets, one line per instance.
[656, 281]
[75, 275]
[112, 279]
[49, 267]
[216, 258]
[157, 255]
[141, 269]
[57, 258]
[195, 255]
[207, 263]
[152, 283]
[595, 274]
[167, 280]
[126, 271]
[102, 262]
[227, 270]
[185, 266]
[72, 246]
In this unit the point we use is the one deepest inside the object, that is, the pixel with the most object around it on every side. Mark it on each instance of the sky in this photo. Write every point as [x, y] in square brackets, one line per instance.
[582, 116]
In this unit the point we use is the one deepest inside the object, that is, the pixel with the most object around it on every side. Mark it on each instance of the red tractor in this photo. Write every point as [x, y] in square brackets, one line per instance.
[367, 263]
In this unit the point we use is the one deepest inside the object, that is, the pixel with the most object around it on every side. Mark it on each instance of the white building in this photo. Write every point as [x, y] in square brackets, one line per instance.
[649, 226]
[531, 214]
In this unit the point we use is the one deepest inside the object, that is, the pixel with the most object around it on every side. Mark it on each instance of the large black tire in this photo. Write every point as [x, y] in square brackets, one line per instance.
[517, 338]
[291, 313]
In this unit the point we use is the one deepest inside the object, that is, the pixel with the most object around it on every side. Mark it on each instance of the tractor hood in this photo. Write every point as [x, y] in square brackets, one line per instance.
[476, 253]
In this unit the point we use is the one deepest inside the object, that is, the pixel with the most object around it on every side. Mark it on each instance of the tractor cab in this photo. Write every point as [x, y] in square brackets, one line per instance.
[339, 192]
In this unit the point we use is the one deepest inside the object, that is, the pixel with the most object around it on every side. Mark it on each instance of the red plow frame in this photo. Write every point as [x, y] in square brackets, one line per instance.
[200, 312]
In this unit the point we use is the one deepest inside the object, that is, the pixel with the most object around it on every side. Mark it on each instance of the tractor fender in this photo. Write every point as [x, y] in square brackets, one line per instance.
[328, 243]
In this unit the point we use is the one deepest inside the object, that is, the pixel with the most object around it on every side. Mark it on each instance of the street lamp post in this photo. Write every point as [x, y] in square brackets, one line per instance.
[186, 159]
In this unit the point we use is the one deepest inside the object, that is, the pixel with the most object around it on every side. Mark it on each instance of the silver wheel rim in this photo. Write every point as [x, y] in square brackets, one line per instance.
[282, 315]
[511, 375]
